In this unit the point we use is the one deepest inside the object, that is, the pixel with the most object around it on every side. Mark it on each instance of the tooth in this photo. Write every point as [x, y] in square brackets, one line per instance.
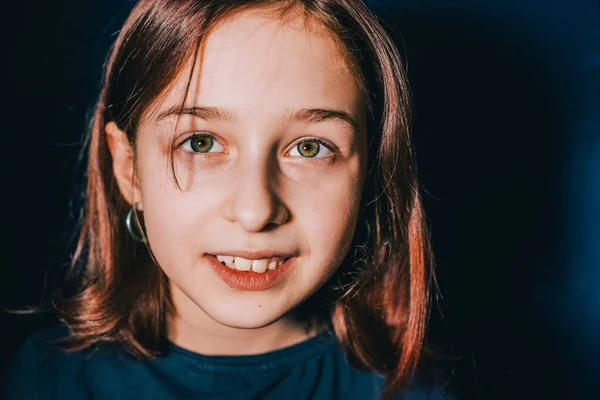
[273, 264]
[241, 264]
[259, 265]
[228, 260]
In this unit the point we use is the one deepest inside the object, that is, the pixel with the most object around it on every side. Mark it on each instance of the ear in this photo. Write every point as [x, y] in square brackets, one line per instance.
[123, 164]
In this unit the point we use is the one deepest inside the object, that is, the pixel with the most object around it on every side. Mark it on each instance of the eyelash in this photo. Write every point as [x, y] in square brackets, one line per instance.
[325, 143]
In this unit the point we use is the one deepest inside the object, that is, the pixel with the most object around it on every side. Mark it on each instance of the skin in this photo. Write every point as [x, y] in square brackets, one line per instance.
[254, 191]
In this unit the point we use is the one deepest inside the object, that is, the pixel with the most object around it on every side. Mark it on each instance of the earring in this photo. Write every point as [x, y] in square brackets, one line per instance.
[132, 232]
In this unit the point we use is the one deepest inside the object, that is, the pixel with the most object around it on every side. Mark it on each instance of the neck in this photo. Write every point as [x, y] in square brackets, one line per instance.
[192, 329]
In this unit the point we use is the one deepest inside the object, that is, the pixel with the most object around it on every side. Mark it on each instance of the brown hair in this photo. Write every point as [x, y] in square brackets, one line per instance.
[379, 311]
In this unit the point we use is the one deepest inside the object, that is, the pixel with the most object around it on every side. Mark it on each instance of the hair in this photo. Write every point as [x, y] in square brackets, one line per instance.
[378, 311]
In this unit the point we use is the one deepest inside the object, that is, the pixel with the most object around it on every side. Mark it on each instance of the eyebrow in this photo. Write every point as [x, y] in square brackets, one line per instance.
[206, 113]
[310, 115]
[314, 115]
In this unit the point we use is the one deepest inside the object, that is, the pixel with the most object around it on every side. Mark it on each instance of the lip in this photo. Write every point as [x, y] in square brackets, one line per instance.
[250, 280]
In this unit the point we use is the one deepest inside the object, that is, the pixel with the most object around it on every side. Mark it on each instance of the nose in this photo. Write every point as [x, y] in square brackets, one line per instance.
[254, 202]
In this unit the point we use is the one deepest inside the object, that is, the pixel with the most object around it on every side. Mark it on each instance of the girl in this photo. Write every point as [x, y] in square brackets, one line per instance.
[252, 225]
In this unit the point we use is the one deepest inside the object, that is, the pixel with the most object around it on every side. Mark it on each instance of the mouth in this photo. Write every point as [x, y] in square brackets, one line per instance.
[251, 274]
[259, 265]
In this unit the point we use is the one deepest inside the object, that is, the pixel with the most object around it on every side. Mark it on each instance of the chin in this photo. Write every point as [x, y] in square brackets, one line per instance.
[252, 315]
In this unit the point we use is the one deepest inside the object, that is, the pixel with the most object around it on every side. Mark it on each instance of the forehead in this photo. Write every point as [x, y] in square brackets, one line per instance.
[258, 64]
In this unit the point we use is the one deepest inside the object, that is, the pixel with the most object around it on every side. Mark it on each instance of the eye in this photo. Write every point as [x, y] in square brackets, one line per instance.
[202, 143]
[310, 148]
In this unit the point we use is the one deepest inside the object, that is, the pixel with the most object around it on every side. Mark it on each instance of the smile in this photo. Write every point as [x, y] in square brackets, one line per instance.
[252, 274]
[244, 264]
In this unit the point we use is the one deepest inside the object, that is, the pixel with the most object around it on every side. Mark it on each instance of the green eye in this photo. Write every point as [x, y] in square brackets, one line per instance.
[308, 148]
[311, 148]
[202, 143]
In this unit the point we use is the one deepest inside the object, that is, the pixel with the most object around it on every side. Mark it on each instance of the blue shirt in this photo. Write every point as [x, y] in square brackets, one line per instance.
[313, 369]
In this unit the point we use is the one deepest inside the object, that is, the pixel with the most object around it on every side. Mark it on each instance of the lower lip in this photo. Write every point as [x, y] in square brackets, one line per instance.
[250, 280]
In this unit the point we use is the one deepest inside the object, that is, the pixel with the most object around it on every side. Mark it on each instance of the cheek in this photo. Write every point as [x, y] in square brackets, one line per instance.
[172, 219]
[165, 227]
[328, 219]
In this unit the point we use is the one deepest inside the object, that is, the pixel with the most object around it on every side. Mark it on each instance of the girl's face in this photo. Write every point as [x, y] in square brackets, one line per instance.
[270, 157]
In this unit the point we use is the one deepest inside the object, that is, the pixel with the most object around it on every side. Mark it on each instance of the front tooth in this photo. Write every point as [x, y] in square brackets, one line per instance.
[228, 260]
[273, 264]
[241, 264]
[259, 265]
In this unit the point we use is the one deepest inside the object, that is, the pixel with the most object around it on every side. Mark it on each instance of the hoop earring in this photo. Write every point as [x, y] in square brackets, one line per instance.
[130, 229]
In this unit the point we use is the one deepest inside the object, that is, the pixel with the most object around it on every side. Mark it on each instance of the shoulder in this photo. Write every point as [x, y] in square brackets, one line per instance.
[42, 348]
[369, 385]
[425, 394]
[40, 363]
[427, 385]
[45, 339]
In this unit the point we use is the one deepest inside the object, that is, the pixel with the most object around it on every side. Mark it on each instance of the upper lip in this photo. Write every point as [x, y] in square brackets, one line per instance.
[253, 255]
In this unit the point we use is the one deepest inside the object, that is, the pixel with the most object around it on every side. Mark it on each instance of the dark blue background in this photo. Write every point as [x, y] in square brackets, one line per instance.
[507, 128]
